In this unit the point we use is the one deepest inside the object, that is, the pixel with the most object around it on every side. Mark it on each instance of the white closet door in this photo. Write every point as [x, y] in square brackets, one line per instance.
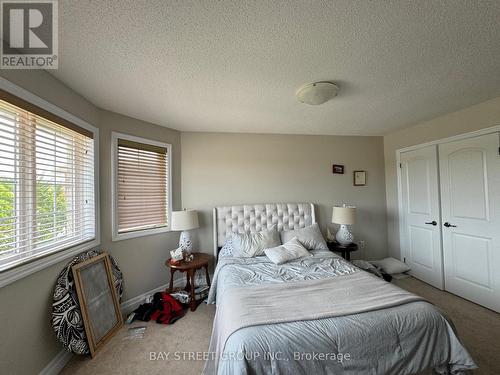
[470, 195]
[421, 215]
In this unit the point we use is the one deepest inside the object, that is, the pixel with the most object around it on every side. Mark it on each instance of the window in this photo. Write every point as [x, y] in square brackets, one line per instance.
[47, 189]
[141, 170]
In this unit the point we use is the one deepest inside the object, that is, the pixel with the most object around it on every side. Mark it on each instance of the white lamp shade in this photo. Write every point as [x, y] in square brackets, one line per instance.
[344, 215]
[184, 220]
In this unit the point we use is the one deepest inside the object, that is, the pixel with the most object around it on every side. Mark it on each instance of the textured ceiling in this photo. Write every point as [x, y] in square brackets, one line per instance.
[235, 65]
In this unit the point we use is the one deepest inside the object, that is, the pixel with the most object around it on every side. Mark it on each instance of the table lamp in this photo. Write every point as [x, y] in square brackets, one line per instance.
[185, 221]
[344, 215]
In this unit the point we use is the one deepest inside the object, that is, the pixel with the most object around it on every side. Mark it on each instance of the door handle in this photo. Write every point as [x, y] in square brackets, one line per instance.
[433, 222]
[448, 225]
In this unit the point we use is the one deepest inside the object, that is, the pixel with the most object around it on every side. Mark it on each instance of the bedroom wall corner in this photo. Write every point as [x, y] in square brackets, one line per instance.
[28, 344]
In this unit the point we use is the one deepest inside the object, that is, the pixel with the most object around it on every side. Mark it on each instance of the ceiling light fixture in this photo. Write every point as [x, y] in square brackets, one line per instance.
[317, 93]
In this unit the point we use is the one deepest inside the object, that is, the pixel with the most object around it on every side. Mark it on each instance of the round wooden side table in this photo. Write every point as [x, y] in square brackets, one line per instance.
[199, 261]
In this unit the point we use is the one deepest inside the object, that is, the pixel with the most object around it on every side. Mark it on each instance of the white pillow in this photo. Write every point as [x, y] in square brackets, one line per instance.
[310, 237]
[293, 249]
[391, 265]
[249, 245]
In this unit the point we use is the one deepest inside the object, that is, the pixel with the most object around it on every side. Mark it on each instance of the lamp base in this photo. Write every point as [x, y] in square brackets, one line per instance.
[185, 242]
[343, 236]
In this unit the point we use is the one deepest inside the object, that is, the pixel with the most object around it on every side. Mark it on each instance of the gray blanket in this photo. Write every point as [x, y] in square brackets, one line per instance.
[274, 319]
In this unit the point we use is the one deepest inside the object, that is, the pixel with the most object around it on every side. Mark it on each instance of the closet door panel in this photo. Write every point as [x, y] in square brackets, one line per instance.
[421, 231]
[465, 266]
[470, 197]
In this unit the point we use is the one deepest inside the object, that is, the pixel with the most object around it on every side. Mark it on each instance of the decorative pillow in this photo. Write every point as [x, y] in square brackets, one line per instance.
[249, 245]
[310, 237]
[293, 249]
[391, 265]
[227, 250]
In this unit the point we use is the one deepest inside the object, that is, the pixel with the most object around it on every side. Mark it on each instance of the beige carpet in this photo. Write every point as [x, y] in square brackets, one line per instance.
[478, 328]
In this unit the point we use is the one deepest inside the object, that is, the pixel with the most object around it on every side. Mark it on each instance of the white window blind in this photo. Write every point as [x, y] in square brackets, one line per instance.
[46, 184]
[142, 186]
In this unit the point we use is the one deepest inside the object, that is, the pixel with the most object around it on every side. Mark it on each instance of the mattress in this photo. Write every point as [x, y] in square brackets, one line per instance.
[404, 339]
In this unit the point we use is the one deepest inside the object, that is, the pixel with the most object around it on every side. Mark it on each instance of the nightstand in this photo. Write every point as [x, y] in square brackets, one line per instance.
[199, 261]
[344, 250]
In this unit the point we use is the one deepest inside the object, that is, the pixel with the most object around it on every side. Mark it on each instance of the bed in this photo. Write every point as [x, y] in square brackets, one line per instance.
[318, 314]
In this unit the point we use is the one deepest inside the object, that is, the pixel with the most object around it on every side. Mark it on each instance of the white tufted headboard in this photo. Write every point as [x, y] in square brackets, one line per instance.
[248, 218]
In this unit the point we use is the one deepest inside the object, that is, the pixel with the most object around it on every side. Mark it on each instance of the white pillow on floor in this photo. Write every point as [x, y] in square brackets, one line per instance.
[391, 265]
[293, 249]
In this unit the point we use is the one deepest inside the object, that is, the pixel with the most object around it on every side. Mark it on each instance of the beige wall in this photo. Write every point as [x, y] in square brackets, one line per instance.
[221, 168]
[27, 342]
[477, 117]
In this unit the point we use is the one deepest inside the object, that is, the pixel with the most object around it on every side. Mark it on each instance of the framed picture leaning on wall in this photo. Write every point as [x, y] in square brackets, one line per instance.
[99, 305]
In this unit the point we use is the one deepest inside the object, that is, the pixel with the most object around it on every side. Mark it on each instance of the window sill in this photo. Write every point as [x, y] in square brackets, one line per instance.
[24, 270]
[139, 233]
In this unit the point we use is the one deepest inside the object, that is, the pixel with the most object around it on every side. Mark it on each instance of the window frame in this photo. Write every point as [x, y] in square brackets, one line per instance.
[38, 263]
[115, 235]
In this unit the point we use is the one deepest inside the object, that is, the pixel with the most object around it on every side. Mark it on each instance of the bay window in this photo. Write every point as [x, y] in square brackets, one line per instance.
[47, 183]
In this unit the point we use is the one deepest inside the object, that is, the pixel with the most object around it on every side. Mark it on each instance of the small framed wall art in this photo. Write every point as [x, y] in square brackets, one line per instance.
[359, 178]
[338, 169]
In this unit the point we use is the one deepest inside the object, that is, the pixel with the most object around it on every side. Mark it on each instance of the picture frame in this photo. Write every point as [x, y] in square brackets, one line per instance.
[98, 301]
[337, 169]
[359, 178]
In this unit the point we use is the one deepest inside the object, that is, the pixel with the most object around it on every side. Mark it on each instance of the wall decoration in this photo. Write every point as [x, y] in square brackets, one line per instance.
[338, 169]
[98, 300]
[359, 178]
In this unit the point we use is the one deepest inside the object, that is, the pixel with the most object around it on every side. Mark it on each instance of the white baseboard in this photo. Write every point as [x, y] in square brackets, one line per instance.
[131, 304]
[57, 364]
